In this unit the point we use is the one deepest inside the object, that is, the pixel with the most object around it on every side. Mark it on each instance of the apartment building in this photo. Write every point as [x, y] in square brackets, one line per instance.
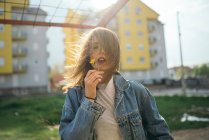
[23, 53]
[141, 35]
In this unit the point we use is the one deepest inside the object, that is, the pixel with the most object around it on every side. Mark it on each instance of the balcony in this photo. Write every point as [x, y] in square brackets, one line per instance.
[151, 28]
[19, 35]
[20, 68]
[154, 65]
[153, 53]
[152, 40]
[19, 52]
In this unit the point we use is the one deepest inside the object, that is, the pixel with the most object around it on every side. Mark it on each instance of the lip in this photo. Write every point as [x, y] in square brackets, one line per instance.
[101, 60]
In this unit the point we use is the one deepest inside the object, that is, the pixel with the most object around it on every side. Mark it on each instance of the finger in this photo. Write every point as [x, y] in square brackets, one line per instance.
[94, 76]
[90, 72]
[97, 81]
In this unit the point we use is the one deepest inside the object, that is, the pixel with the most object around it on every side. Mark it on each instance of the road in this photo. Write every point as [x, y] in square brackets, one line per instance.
[178, 91]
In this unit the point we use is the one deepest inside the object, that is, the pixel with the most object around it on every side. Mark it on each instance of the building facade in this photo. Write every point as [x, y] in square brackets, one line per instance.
[141, 36]
[71, 36]
[23, 53]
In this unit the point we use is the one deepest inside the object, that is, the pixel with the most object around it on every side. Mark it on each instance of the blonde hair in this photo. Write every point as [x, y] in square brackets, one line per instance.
[108, 40]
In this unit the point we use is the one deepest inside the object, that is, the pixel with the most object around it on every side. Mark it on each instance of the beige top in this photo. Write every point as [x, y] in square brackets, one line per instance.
[106, 126]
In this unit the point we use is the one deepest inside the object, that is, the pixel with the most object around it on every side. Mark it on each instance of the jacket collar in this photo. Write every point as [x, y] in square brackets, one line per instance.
[120, 83]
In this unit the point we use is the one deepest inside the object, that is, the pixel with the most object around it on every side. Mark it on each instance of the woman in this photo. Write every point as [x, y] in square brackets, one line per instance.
[100, 104]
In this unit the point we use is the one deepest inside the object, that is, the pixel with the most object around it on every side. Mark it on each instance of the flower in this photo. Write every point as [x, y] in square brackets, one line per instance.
[92, 61]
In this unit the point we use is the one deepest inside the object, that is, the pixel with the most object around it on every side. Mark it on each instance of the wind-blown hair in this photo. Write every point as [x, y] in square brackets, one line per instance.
[108, 40]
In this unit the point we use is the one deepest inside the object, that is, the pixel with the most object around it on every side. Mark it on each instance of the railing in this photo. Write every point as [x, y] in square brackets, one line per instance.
[19, 52]
[154, 65]
[152, 40]
[20, 68]
[153, 52]
[19, 35]
[151, 28]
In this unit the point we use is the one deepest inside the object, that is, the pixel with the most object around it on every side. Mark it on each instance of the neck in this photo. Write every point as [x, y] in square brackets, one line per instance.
[106, 79]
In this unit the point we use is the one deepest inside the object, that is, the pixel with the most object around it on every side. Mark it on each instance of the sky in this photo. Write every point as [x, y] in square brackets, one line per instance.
[194, 21]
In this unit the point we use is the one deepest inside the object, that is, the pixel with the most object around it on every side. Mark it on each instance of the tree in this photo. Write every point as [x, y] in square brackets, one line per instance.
[202, 70]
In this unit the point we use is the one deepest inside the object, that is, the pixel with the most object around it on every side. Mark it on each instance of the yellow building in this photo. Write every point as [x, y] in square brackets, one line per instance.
[71, 36]
[133, 33]
[141, 36]
[6, 66]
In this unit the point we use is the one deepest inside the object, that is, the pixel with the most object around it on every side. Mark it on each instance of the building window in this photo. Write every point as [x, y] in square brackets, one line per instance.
[127, 33]
[1, 27]
[153, 53]
[128, 46]
[14, 45]
[140, 34]
[139, 22]
[2, 79]
[1, 61]
[1, 11]
[138, 10]
[15, 62]
[36, 78]
[1, 44]
[152, 40]
[151, 28]
[35, 30]
[35, 46]
[142, 60]
[154, 64]
[36, 61]
[125, 9]
[16, 16]
[141, 47]
[15, 80]
[126, 21]
[129, 60]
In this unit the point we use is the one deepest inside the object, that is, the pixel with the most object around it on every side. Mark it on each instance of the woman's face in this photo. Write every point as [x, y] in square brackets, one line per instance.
[98, 57]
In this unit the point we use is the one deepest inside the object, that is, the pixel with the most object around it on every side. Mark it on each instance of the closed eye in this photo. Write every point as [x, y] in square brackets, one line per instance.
[95, 46]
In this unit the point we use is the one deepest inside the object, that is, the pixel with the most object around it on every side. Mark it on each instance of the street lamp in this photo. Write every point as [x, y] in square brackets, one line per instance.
[183, 84]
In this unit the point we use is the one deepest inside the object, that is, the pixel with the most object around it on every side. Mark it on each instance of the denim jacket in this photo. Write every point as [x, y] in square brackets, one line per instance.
[135, 110]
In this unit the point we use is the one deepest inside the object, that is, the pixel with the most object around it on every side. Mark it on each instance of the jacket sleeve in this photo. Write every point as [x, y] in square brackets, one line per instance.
[154, 124]
[78, 123]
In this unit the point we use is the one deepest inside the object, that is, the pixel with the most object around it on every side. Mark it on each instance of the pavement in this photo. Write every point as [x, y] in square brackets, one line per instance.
[192, 134]
[178, 91]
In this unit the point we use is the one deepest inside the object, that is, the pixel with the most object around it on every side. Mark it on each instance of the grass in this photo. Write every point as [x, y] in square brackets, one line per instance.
[37, 117]
[30, 117]
[173, 108]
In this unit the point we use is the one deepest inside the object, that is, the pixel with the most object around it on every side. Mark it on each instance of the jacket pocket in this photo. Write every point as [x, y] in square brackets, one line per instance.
[135, 118]
[136, 126]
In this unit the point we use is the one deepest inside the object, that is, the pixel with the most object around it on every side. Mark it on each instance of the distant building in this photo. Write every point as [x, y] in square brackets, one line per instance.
[176, 72]
[71, 36]
[23, 54]
[141, 35]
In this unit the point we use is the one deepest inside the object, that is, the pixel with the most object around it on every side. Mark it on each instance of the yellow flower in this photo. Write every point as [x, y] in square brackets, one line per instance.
[92, 61]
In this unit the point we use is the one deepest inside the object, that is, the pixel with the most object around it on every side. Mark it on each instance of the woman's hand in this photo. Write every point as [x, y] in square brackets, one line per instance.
[92, 79]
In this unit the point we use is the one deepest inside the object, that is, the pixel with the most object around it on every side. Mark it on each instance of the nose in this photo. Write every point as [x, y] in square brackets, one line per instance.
[101, 50]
